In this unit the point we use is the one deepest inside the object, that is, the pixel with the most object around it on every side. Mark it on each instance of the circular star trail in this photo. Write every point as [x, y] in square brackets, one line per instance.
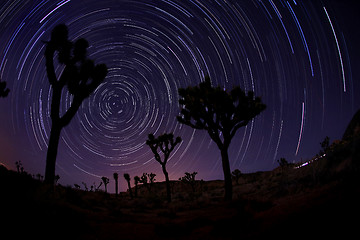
[293, 54]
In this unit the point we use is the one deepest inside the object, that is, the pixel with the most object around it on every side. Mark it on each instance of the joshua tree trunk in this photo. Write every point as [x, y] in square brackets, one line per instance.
[136, 190]
[57, 125]
[52, 153]
[168, 190]
[227, 173]
[130, 190]
[116, 188]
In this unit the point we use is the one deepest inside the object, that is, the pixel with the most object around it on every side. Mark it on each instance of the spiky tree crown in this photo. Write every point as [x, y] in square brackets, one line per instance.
[216, 110]
[81, 76]
[165, 142]
[127, 176]
[116, 176]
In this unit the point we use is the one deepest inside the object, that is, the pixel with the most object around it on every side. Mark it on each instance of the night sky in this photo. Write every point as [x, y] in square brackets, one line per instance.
[301, 57]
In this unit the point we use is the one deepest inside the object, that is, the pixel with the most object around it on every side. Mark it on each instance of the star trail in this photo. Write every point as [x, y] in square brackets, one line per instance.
[296, 55]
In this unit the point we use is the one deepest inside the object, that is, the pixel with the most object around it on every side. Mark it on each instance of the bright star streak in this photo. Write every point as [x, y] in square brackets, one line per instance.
[338, 48]
[62, 4]
[301, 127]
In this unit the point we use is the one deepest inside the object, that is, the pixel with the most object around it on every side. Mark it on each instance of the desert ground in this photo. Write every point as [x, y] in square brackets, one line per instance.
[319, 199]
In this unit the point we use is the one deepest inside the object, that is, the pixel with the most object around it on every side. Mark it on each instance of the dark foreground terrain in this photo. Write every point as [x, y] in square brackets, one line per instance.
[318, 200]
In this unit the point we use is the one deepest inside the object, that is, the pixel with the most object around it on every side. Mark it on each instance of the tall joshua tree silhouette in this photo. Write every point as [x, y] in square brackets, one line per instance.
[116, 178]
[166, 144]
[3, 90]
[221, 114]
[81, 77]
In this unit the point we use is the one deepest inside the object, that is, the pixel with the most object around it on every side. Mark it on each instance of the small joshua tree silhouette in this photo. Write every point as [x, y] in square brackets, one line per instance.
[325, 144]
[136, 182]
[166, 144]
[106, 182]
[236, 174]
[19, 166]
[151, 177]
[39, 176]
[127, 178]
[189, 179]
[57, 178]
[97, 188]
[81, 77]
[116, 178]
[283, 163]
[85, 186]
[144, 181]
[144, 178]
[147, 179]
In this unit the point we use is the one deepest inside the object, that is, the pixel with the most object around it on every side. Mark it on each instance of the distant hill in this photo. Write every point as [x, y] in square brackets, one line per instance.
[353, 128]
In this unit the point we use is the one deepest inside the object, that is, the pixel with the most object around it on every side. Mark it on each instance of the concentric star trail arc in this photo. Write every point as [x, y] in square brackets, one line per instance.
[278, 49]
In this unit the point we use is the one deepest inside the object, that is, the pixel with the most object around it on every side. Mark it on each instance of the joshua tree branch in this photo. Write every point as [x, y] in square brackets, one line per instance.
[49, 56]
[70, 113]
[237, 127]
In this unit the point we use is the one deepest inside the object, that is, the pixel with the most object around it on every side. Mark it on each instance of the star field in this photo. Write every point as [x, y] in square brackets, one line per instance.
[296, 55]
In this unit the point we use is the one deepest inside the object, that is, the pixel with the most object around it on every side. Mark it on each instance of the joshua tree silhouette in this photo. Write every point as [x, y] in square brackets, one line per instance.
[325, 144]
[57, 178]
[19, 166]
[85, 186]
[127, 178]
[81, 77]
[221, 113]
[95, 188]
[236, 175]
[166, 144]
[147, 179]
[3, 90]
[106, 182]
[283, 163]
[116, 178]
[136, 182]
[39, 177]
[98, 186]
[144, 180]
[189, 179]
[151, 178]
